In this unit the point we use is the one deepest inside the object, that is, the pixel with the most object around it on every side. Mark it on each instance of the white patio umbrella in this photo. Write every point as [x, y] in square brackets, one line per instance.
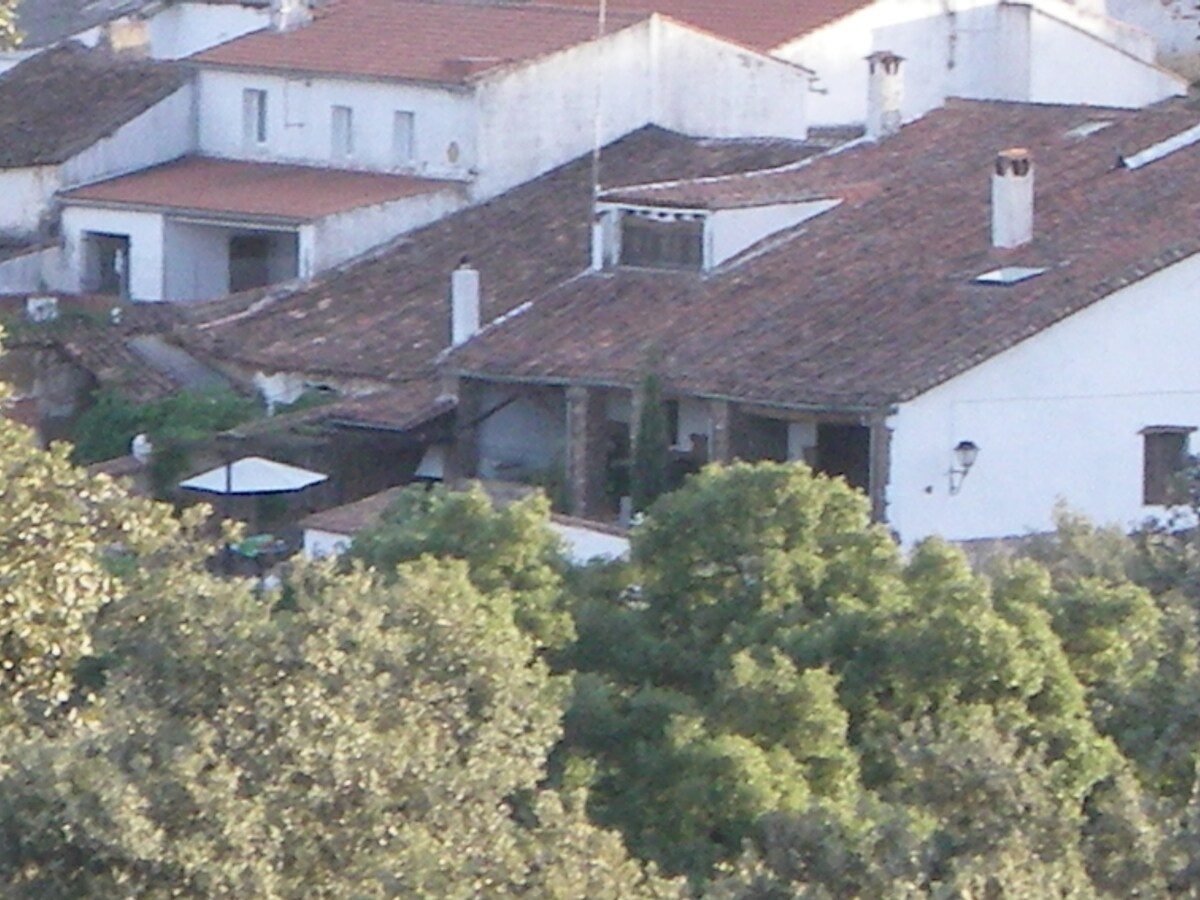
[253, 475]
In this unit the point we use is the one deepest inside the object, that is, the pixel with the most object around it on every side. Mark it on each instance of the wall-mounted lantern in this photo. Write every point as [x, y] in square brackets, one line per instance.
[965, 453]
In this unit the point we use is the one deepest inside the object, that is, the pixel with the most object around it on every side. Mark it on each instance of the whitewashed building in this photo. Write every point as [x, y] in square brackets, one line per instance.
[309, 146]
[971, 319]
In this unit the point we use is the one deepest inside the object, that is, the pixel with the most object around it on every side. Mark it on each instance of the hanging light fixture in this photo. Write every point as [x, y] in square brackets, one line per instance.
[965, 453]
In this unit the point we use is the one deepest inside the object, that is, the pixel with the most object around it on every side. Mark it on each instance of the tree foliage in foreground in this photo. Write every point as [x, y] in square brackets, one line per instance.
[171, 734]
[772, 673]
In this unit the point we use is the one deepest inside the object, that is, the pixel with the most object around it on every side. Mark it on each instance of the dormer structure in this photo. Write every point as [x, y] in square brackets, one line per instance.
[699, 225]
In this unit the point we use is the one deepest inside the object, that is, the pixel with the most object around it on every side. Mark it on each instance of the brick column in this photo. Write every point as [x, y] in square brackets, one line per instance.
[720, 413]
[881, 458]
[585, 450]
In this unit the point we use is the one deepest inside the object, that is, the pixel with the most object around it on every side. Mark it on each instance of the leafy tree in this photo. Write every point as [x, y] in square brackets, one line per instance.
[174, 424]
[71, 545]
[10, 34]
[364, 740]
[509, 551]
[650, 474]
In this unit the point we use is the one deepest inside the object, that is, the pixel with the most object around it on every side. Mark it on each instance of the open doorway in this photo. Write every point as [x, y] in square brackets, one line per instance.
[845, 450]
[257, 259]
[107, 264]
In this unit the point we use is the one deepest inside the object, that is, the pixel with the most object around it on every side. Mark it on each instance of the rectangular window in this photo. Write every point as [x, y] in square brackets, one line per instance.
[254, 117]
[402, 138]
[343, 131]
[1165, 455]
[662, 243]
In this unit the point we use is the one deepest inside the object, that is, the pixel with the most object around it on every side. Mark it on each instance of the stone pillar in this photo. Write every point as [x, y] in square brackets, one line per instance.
[880, 467]
[585, 450]
[463, 459]
[720, 449]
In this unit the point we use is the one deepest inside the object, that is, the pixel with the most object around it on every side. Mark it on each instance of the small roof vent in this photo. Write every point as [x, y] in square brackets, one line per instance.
[1009, 275]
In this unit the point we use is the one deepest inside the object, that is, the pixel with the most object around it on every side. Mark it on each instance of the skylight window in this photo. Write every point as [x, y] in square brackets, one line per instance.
[1082, 131]
[1008, 275]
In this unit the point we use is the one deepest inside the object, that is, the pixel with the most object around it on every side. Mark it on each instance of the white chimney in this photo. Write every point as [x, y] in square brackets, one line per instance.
[885, 94]
[1012, 199]
[464, 303]
[289, 14]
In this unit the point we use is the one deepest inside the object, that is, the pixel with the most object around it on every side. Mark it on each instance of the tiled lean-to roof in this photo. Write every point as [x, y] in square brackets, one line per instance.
[444, 42]
[388, 317]
[874, 301]
[233, 187]
[63, 100]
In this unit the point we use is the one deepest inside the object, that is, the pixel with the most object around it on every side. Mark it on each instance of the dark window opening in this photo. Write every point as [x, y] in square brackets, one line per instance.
[660, 244]
[761, 438]
[845, 450]
[1164, 457]
[249, 262]
[108, 264]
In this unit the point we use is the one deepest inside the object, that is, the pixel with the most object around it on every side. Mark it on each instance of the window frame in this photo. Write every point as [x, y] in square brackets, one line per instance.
[404, 151]
[652, 242]
[255, 129]
[341, 131]
[1165, 454]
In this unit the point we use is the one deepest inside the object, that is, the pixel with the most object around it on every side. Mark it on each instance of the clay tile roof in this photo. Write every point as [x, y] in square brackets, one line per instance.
[761, 24]
[61, 101]
[351, 518]
[388, 317]
[266, 190]
[402, 409]
[722, 192]
[874, 301]
[443, 42]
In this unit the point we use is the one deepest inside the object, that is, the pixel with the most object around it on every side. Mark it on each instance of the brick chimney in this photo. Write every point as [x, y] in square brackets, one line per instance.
[1012, 199]
[464, 303]
[289, 14]
[885, 94]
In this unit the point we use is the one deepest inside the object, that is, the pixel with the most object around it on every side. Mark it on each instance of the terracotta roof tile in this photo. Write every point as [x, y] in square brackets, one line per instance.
[256, 189]
[761, 24]
[388, 317]
[873, 302]
[401, 409]
[443, 42]
[63, 100]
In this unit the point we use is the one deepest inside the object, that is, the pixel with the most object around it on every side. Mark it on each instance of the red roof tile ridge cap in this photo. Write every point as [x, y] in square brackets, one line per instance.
[858, 6]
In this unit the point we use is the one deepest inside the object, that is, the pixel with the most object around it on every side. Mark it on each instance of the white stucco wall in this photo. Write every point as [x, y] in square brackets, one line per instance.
[1056, 416]
[25, 194]
[319, 544]
[340, 237]
[730, 231]
[978, 49]
[164, 132]
[300, 116]
[27, 273]
[708, 87]
[1175, 26]
[198, 261]
[1068, 65]
[654, 72]
[182, 29]
[540, 115]
[694, 418]
[145, 233]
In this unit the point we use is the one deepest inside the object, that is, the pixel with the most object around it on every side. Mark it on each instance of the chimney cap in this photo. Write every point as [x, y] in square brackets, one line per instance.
[1014, 161]
[886, 59]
